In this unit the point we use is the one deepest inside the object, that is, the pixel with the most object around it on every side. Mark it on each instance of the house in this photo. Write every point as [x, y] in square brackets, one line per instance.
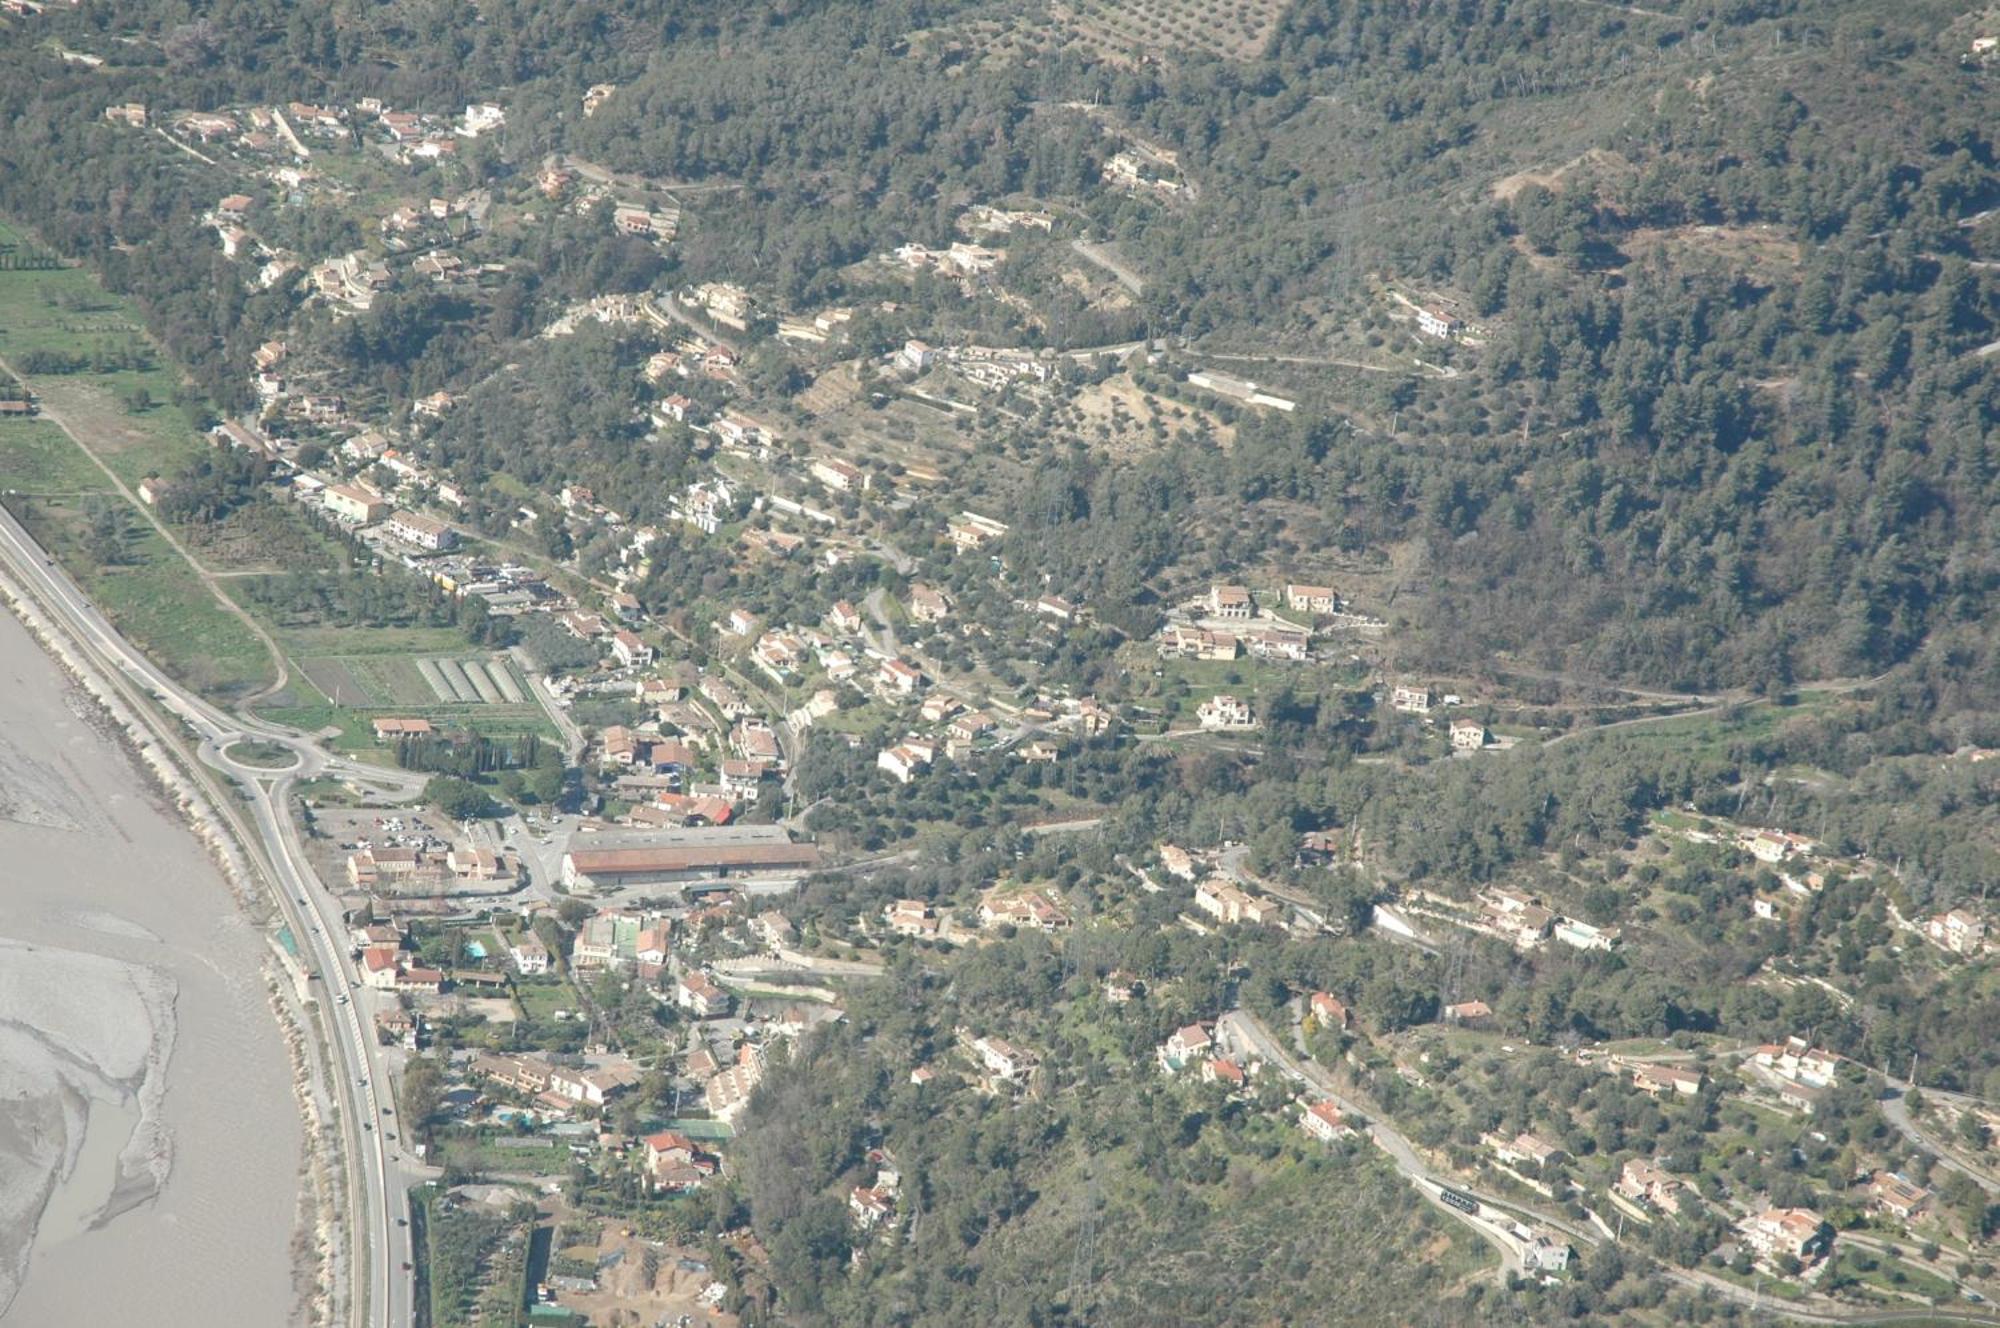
[970, 725]
[356, 503]
[1225, 712]
[1230, 602]
[152, 489]
[870, 1206]
[1467, 735]
[629, 649]
[673, 1163]
[1311, 599]
[1278, 643]
[911, 917]
[916, 356]
[1228, 1073]
[1799, 1233]
[1185, 642]
[1183, 1046]
[774, 929]
[1796, 1058]
[1002, 1060]
[378, 967]
[843, 617]
[1642, 1182]
[386, 865]
[1801, 1096]
[595, 1086]
[1323, 1121]
[1033, 909]
[1891, 1193]
[475, 864]
[422, 981]
[903, 761]
[969, 530]
[1329, 1012]
[928, 605]
[1227, 902]
[423, 531]
[1469, 1014]
[1524, 1147]
[1177, 861]
[697, 992]
[837, 475]
[1055, 606]
[899, 678]
[530, 956]
[1775, 845]
[1412, 700]
[1543, 1255]
[1435, 322]
[1958, 931]
[1654, 1080]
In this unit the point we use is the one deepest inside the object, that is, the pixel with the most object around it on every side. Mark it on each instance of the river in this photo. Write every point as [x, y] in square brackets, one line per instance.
[150, 1143]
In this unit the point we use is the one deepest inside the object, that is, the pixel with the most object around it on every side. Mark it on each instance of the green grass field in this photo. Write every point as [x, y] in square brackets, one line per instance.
[37, 457]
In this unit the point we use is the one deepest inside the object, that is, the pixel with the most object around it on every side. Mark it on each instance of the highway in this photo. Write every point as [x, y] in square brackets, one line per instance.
[378, 1246]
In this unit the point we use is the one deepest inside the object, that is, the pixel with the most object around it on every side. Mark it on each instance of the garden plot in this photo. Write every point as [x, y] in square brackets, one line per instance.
[375, 682]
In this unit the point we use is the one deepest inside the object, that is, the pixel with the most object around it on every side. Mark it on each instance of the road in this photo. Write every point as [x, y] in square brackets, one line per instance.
[1239, 1028]
[1896, 1110]
[382, 1294]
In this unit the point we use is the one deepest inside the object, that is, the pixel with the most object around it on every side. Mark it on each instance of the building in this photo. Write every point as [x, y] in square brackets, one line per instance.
[916, 356]
[1005, 1062]
[1642, 1182]
[728, 1093]
[969, 530]
[629, 649]
[1323, 1121]
[1032, 909]
[1225, 712]
[1654, 1080]
[529, 955]
[1329, 1012]
[837, 475]
[1227, 902]
[1525, 1148]
[475, 864]
[1798, 1233]
[356, 503]
[425, 532]
[899, 678]
[1467, 735]
[603, 868]
[597, 1085]
[697, 993]
[1958, 931]
[1469, 1014]
[378, 967]
[1412, 700]
[1434, 322]
[928, 605]
[1230, 602]
[904, 761]
[1311, 599]
[1897, 1195]
[1184, 1046]
[1218, 1070]
[911, 917]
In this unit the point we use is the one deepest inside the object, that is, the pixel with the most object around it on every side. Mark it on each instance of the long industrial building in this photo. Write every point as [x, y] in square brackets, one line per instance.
[586, 870]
